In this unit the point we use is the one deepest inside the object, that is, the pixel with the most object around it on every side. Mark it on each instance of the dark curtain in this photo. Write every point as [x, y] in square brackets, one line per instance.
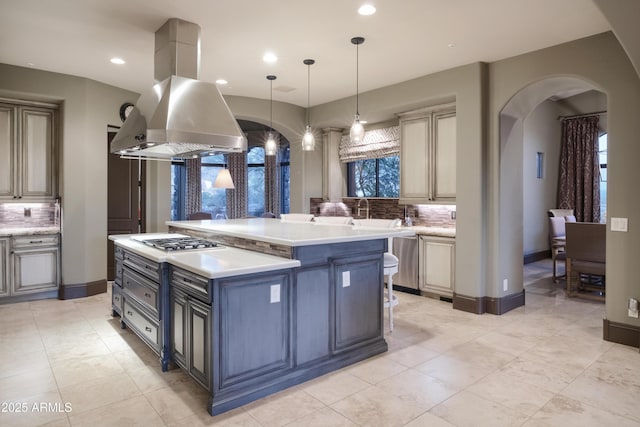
[237, 198]
[272, 184]
[193, 197]
[579, 178]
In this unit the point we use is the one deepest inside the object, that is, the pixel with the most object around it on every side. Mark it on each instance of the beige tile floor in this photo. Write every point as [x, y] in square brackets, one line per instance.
[544, 364]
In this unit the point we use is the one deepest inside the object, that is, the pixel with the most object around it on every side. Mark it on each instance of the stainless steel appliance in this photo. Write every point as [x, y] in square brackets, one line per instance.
[179, 243]
[406, 249]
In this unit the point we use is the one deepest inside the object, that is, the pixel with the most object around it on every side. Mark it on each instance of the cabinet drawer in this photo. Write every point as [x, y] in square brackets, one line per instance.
[35, 241]
[144, 266]
[192, 284]
[119, 253]
[144, 326]
[116, 299]
[141, 289]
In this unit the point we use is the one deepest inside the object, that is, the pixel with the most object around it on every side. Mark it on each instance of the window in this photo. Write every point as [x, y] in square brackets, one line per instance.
[602, 151]
[374, 177]
[214, 200]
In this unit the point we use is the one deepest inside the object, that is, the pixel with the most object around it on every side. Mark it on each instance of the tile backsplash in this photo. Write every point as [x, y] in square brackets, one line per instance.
[21, 215]
[424, 215]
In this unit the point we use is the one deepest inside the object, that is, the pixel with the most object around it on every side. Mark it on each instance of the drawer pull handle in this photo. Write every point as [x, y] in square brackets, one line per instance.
[35, 241]
[148, 329]
[186, 280]
[147, 294]
[130, 313]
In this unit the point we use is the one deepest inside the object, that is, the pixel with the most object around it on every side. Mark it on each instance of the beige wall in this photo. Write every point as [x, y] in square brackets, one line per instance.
[87, 108]
[600, 61]
[541, 134]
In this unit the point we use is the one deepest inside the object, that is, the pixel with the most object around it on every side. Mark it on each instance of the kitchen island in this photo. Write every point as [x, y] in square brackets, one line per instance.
[249, 334]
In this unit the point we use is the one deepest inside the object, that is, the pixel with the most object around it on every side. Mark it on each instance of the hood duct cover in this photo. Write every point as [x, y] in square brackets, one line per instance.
[191, 116]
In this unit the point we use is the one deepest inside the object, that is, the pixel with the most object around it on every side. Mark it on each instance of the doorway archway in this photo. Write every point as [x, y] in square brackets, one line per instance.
[512, 120]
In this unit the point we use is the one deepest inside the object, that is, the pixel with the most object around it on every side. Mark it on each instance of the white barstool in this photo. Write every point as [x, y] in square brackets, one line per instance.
[390, 268]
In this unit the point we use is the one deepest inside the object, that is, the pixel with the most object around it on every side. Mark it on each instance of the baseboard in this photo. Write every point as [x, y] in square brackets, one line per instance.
[82, 290]
[537, 256]
[491, 305]
[621, 333]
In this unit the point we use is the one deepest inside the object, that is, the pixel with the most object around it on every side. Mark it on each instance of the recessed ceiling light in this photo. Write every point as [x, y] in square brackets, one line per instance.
[269, 57]
[367, 9]
[118, 61]
[451, 45]
[221, 82]
[31, 64]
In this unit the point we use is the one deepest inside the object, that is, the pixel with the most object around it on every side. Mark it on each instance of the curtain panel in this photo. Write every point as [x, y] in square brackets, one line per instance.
[193, 196]
[579, 176]
[272, 184]
[237, 198]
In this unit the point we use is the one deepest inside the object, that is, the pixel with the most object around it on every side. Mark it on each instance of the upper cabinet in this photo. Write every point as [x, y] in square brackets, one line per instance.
[428, 155]
[27, 152]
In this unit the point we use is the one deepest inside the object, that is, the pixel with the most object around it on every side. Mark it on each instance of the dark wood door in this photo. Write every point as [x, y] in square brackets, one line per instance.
[126, 200]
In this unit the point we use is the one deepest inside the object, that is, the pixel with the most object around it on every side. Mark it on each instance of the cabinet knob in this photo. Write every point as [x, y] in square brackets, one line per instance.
[186, 280]
[130, 313]
[147, 294]
[148, 329]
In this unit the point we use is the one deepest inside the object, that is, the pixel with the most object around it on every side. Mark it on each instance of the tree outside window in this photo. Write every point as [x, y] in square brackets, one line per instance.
[374, 177]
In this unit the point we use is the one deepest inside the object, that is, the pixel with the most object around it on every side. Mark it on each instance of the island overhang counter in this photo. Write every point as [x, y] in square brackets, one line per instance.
[258, 333]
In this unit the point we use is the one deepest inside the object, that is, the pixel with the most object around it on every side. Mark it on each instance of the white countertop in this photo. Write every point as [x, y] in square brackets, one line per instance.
[290, 233]
[212, 263]
[28, 231]
[434, 231]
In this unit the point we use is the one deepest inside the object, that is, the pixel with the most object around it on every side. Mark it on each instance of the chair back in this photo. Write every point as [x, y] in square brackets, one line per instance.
[199, 215]
[559, 212]
[556, 227]
[586, 241]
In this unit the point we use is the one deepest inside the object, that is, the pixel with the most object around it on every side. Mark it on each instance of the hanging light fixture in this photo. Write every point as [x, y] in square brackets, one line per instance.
[270, 147]
[357, 130]
[224, 180]
[308, 140]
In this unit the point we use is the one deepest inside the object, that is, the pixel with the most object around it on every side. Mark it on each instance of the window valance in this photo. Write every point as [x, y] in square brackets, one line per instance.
[377, 143]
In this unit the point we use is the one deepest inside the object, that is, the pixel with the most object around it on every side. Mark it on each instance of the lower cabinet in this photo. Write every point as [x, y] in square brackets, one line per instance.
[436, 266]
[191, 336]
[4, 266]
[29, 265]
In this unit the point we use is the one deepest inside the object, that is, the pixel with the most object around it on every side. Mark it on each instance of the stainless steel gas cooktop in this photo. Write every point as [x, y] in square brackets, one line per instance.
[180, 243]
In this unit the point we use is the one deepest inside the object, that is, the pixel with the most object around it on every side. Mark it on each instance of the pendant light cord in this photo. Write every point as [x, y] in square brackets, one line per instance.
[308, 90]
[271, 105]
[357, 78]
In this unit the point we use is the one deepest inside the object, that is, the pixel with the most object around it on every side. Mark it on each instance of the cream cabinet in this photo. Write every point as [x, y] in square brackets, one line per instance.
[35, 264]
[436, 266]
[4, 266]
[428, 155]
[27, 152]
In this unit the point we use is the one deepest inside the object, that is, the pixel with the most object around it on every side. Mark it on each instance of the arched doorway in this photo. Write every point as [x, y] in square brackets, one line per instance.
[521, 218]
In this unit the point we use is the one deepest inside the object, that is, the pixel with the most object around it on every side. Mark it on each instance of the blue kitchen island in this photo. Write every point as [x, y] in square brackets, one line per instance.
[276, 305]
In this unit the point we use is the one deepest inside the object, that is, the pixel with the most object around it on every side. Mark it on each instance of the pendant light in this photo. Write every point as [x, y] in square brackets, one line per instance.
[357, 130]
[308, 140]
[223, 180]
[270, 147]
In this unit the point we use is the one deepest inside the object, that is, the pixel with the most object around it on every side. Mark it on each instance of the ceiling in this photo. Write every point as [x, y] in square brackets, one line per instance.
[404, 39]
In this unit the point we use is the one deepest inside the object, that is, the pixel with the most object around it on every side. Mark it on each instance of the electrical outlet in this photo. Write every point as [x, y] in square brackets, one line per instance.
[505, 284]
[620, 224]
[453, 214]
[633, 308]
[346, 279]
[275, 293]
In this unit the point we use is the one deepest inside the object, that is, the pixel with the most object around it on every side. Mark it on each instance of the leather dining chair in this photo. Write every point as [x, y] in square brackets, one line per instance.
[199, 215]
[557, 240]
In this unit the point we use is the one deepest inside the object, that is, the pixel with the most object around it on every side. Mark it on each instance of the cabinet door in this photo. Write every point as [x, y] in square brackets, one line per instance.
[358, 288]
[37, 157]
[4, 267]
[414, 158]
[199, 341]
[35, 270]
[8, 160]
[179, 330]
[444, 156]
[255, 313]
[437, 258]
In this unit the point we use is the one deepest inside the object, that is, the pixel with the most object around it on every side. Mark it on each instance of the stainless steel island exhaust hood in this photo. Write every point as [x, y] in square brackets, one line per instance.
[186, 117]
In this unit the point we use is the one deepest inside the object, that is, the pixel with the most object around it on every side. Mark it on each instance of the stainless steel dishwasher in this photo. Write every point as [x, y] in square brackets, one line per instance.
[406, 249]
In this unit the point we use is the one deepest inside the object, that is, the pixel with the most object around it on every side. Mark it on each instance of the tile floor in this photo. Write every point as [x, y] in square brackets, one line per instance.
[544, 364]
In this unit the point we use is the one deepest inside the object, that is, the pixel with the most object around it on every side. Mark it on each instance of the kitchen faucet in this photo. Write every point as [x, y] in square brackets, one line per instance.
[365, 209]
